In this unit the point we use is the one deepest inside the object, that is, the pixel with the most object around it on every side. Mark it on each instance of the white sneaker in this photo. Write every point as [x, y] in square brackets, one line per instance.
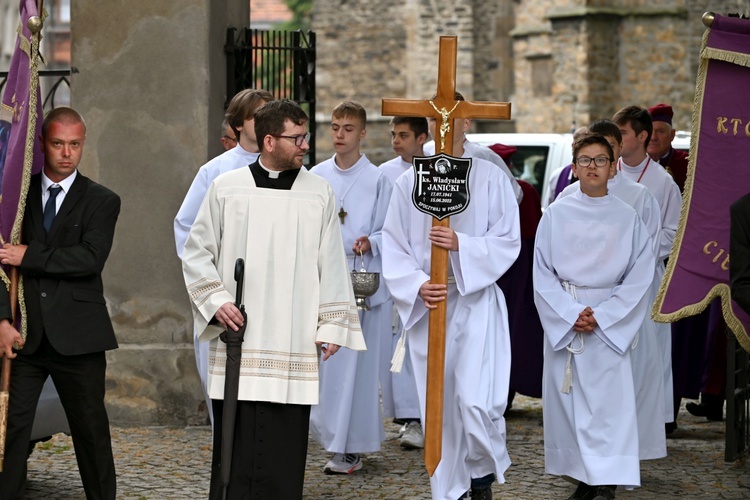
[413, 436]
[402, 429]
[343, 463]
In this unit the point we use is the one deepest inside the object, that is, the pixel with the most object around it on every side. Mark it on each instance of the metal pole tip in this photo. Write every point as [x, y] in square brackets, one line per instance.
[708, 19]
[35, 24]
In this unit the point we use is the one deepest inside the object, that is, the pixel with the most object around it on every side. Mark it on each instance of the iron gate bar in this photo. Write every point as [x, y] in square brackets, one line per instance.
[61, 76]
[282, 62]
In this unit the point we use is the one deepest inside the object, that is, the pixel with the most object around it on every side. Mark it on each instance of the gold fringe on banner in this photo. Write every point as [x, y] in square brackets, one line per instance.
[721, 290]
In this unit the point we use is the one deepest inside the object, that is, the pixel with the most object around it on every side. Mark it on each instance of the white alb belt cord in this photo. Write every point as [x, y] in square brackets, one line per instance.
[568, 378]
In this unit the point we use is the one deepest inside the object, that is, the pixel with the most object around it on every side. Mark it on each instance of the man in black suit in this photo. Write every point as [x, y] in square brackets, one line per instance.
[68, 227]
[739, 249]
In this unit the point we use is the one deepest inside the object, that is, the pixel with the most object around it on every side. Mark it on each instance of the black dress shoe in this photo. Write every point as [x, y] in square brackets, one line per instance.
[670, 427]
[481, 493]
[605, 493]
[712, 412]
[583, 492]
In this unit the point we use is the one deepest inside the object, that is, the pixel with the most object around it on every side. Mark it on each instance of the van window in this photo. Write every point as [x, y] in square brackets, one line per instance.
[529, 163]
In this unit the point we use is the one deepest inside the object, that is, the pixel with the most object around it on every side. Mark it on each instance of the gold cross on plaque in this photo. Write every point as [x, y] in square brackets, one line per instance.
[444, 108]
[342, 214]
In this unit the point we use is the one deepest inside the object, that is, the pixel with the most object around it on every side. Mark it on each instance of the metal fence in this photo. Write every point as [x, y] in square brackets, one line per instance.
[738, 400]
[282, 62]
[54, 84]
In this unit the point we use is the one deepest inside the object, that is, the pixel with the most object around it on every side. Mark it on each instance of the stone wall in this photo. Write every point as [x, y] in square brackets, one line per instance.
[368, 51]
[561, 63]
[606, 55]
[149, 82]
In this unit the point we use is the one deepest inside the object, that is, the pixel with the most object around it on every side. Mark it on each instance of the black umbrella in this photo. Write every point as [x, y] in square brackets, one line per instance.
[233, 340]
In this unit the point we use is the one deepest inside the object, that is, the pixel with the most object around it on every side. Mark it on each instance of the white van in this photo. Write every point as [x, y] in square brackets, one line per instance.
[537, 157]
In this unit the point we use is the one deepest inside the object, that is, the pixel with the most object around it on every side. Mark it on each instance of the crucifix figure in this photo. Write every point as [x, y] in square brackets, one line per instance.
[444, 109]
[342, 214]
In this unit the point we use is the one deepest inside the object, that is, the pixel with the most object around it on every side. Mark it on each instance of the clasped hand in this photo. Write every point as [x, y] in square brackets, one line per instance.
[585, 322]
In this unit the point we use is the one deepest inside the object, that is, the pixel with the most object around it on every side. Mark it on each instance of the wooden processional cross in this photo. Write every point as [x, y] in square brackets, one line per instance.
[444, 108]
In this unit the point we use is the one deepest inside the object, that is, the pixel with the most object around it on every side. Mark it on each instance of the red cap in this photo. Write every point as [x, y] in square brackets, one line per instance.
[505, 152]
[661, 113]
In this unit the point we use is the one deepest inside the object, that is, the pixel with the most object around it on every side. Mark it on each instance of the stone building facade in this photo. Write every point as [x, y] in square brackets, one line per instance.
[561, 63]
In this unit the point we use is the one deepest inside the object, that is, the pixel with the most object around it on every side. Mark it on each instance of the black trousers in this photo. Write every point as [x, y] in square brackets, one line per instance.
[269, 451]
[80, 383]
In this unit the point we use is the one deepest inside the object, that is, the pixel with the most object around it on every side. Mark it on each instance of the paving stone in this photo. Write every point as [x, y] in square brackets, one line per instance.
[163, 463]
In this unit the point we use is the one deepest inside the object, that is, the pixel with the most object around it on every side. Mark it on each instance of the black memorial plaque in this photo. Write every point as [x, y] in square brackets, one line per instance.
[441, 185]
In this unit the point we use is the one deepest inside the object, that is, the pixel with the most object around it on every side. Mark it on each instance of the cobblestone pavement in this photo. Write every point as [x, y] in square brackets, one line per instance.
[173, 463]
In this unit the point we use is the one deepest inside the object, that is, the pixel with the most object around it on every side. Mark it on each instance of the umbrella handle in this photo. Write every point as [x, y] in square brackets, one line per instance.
[239, 277]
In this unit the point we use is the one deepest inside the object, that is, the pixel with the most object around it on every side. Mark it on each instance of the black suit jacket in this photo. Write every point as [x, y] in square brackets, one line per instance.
[739, 251]
[62, 271]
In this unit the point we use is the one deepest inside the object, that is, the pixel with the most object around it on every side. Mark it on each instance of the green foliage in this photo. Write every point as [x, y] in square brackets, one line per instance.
[300, 15]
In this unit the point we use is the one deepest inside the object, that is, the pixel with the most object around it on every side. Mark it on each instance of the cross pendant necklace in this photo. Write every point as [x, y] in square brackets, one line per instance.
[336, 189]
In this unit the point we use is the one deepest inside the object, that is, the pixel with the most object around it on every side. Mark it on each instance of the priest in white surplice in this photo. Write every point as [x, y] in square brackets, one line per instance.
[348, 421]
[239, 116]
[645, 355]
[484, 241]
[593, 266]
[297, 292]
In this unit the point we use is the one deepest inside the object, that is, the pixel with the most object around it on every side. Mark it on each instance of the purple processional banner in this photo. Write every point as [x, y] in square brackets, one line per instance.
[718, 175]
[20, 126]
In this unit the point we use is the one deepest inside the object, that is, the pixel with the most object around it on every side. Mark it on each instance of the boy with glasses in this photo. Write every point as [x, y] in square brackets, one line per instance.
[645, 355]
[593, 266]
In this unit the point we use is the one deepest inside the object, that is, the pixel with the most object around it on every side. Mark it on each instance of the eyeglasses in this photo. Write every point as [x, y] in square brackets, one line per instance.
[298, 139]
[599, 161]
[229, 138]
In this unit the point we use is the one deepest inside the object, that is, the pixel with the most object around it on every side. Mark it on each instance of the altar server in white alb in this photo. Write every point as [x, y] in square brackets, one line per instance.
[281, 220]
[348, 421]
[399, 388]
[483, 242]
[239, 117]
[593, 266]
[636, 127]
[645, 354]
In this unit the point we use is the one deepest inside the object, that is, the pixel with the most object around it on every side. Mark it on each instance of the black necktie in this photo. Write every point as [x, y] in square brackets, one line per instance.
[50, 208]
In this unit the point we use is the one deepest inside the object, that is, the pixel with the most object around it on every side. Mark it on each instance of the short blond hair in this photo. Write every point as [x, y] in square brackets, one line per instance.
[350, 109]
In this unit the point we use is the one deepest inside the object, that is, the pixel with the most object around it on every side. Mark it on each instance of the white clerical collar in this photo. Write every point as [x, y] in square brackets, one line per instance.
[636, 168]
[348, 171]
[272, 174]
[64, 184]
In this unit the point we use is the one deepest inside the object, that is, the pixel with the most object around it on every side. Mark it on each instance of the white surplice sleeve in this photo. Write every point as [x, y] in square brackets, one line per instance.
[482, 259]
[189, 209]
[201, 269]
[338, 320]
